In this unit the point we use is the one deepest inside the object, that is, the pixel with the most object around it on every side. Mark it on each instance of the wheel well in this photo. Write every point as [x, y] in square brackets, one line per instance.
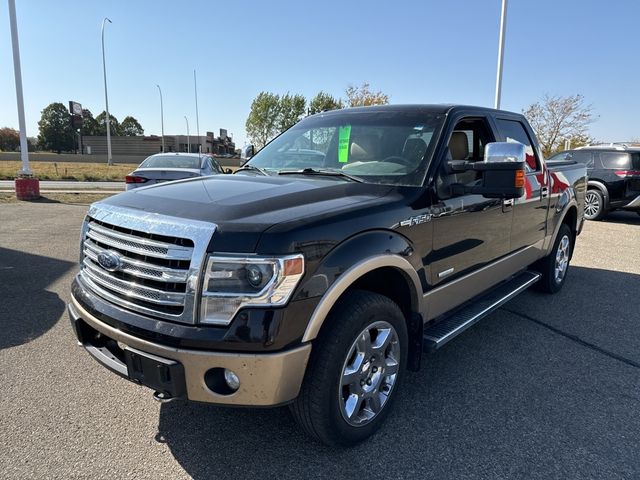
[389, 282]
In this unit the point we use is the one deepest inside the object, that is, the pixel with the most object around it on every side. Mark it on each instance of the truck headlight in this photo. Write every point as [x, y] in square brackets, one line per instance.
[231, 283]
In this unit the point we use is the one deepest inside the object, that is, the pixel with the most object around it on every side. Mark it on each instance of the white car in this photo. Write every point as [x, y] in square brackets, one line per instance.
[165, 167]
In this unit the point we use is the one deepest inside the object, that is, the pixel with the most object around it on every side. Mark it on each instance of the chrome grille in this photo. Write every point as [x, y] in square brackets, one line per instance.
[158, 260]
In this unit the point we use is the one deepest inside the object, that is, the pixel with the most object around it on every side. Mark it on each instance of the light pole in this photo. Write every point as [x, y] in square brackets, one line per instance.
[195, 88]
[24, 149]
[188, 142]
[503, 28]
[106, 97]
[161, 116]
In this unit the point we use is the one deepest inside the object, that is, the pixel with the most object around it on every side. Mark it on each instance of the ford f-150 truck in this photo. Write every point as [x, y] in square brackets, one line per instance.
[325, 267]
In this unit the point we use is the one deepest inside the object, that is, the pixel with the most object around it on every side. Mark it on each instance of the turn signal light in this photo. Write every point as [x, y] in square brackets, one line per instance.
[134, 179]
[519, 181]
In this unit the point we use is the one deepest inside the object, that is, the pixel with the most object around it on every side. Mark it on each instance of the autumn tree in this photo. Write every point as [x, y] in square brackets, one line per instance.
[130, 127]
[56, 133]
[9, 139]
[323, 102]
[362, 96]
[556, 119]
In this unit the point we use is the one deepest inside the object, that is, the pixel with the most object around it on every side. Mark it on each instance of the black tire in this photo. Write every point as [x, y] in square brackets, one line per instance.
[549, 281]
[594, 205]
[319, 407]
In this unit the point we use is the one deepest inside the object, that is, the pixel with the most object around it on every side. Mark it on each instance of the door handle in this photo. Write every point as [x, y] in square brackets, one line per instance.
[508, 203]
[544, 192]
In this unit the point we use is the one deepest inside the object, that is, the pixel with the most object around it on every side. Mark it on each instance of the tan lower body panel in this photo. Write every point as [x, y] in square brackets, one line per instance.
[265, 379]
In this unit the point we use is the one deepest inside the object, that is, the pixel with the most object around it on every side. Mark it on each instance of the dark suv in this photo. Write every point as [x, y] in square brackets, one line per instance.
[614, 178]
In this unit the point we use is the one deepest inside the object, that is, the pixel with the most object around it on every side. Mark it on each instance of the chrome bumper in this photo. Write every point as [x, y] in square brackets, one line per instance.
[265, 379]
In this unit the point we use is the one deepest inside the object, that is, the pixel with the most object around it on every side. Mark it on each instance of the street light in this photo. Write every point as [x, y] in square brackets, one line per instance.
[161, 116]
[106, 97]
[195, 89]
[503, 28]
[188, 141]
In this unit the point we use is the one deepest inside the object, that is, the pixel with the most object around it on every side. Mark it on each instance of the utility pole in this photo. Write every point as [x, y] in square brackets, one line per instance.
[106, 97]
[503, 28]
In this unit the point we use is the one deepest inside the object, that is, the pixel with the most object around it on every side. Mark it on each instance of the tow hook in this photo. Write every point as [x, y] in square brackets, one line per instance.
[162, 397]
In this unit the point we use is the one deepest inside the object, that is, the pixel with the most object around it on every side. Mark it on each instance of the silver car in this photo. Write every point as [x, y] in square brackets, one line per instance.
[165, 167]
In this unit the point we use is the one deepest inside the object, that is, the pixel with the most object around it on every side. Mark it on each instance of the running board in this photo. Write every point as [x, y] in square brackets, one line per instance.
[450, 327]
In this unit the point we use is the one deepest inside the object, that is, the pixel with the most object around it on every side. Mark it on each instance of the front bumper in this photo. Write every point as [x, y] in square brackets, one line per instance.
[265, 379]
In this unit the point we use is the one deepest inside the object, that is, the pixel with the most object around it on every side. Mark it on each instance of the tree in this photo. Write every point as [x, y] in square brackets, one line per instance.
[291, 109]
[130, 127]
[9, 139]
[262, 123]
[90, 126]
[555, 119]
[56, 133]
[323, 102]
[114, 125]
[362, 96]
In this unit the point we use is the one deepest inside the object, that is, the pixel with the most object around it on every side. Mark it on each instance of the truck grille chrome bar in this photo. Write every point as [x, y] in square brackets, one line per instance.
[146, 263]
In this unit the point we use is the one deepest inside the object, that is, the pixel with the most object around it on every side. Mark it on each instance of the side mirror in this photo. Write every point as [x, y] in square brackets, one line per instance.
[248, 152]
[503, 171]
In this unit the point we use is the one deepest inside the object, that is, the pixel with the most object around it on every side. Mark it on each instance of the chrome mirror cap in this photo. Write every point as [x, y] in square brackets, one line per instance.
[504, 152]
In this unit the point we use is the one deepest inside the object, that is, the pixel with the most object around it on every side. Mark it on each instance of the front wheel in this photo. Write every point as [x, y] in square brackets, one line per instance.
[355, 369]
[554, 267]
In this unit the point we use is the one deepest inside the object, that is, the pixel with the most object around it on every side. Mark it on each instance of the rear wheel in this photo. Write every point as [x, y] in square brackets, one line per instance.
[594, 205]
[355, 370]
[554, 267]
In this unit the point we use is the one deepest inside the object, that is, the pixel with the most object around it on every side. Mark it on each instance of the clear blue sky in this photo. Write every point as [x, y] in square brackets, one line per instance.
[416, 51]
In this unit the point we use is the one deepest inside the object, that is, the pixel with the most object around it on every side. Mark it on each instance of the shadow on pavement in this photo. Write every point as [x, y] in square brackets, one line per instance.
[509, 398]
[621, 216]
[27, 309]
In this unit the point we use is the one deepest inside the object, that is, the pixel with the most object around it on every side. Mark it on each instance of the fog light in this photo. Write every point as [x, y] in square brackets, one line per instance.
[232, 379]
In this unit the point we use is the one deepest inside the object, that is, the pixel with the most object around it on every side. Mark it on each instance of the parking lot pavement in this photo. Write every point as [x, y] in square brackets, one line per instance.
[547, 387]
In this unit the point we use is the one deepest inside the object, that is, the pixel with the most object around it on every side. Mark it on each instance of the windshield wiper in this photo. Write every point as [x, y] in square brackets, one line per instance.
[321, 171]
[253, 168]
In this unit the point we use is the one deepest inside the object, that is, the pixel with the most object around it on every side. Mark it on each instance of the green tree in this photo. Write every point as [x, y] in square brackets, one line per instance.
[362, 96]
[263, 121]
[323, 102]
[90, 126]
[130, 127]
[114, 125]
[55, 128]
[9, 139]
[555, 119]
[291, 110]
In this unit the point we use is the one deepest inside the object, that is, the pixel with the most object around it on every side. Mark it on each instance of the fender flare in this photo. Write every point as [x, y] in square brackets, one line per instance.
[561, 215]
[603, 189]
[349, 276]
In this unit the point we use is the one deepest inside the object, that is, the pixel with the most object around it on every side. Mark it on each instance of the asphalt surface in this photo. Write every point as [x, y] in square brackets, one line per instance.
[547, 387]
[68, 185]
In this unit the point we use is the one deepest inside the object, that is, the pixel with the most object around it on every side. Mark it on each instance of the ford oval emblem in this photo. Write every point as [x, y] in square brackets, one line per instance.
[110, 261]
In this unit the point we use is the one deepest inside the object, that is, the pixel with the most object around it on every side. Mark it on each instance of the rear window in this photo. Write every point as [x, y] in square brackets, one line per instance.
[171, 161]
[615, 159]
[635, 160]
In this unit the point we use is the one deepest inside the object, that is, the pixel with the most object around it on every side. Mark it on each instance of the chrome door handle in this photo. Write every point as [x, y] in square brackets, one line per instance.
[544, 192]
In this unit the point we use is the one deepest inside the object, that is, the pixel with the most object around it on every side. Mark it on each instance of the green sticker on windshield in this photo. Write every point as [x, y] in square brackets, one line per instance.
[343, 143]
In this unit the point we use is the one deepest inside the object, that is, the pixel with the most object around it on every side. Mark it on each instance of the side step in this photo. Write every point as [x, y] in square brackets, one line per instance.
[450, 327]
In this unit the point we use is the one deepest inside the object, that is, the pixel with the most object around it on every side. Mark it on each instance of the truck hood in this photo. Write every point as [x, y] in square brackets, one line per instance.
[248, 205]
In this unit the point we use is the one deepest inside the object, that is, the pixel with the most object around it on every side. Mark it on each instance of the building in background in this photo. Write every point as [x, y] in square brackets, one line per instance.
[150, 144]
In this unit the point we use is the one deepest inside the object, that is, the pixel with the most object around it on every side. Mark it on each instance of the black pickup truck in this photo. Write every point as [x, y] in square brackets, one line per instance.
[318, 273]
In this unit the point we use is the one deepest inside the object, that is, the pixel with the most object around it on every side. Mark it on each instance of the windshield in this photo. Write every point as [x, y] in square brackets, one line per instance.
[171, 161]
[386, 147]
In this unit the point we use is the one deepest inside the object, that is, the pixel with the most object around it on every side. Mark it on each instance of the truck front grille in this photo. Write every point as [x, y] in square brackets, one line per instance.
[151, 268]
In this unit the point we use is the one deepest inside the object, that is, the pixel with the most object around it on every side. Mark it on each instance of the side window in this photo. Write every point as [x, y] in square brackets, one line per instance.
[615, 159]
[514, 131]
[581, 156]
[467, 142]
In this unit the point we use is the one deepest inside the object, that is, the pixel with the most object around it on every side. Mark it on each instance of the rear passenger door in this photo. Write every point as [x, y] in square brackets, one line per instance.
[529, 211]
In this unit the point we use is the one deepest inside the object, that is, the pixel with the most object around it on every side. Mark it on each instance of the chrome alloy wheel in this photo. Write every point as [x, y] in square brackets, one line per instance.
[591, 204]
[369, 373]
[562, 258]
